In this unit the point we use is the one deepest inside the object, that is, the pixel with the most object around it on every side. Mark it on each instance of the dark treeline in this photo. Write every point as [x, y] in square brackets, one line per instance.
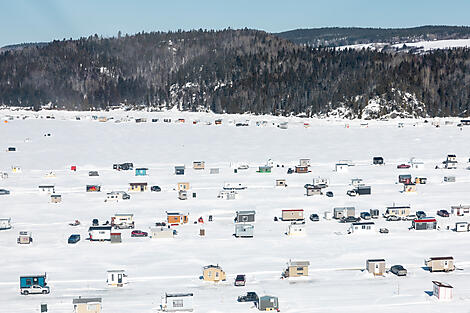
[227, 71]
[342, 36]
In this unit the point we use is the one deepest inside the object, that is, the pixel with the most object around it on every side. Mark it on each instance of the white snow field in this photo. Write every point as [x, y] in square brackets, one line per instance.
[336, 281]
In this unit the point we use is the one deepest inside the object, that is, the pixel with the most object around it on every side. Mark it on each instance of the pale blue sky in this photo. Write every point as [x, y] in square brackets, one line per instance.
[46, 20]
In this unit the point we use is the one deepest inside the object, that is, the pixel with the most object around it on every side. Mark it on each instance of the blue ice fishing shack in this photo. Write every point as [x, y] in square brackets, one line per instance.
[30, 280]
[141, 171]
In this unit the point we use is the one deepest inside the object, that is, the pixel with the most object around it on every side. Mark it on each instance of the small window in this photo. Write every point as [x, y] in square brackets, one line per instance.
[178, 303]
[28, 282]
[216, 274]
[300, 269]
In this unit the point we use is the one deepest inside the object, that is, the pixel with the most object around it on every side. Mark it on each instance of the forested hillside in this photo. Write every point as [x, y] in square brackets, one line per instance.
[343, 36]
[233, 71]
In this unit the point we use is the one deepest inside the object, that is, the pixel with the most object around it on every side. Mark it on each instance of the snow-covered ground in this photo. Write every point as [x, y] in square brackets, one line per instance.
[336, 282]
[426, 45]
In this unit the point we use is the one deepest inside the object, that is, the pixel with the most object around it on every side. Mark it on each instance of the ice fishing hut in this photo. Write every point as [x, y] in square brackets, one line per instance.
[460, 210]
[267, 303]
[375, 266]
[177, 302]
[449, 179]
[199, 165]
[116, 238]
[99, 233]
[123, 220]
[339, 213]
[304, 162]
[213, 273]
[404, 179]
[179, 170]
[93, 188]
[141, 171]
[362, 228]
[244, 230]
[312, 190]
[5, 223]
[245, 216]
[86, 305]
[139, 187]
[459, 227]
[296, 269]
[295, 229]
[429, 223]
[183, 195]
[56, 198]
[301, 169]
[183, 186]
[440, 264]
[293, 215]
[116, 278]
[47, 188]
[341, 167]
[442, 291]
[451, 161]
[264, 169]
[24, 238]
[416, 164]
[28, 281]
[161, 232]
[176, 218]
[409, 187]
[227, 194]
[281, 183]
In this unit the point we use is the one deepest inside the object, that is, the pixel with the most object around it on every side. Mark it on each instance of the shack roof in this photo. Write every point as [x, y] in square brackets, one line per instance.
[441, 284]
[86, 300]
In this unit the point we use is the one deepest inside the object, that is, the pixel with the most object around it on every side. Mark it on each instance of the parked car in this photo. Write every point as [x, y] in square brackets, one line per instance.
[155, 188]
[351, 193]
[393, 218]
[420, 214]
[314, 217]
[35, 289]
[410, 217]
[93, 173]
[73, 239]
[383, 230]
[443, 213]
[329, 194]
[403, 166]
[250, 297]
[139, 233]
[350, 219]
[4, 192]
[240, 280]
[160, 224]
[398, 270]
[365, 215]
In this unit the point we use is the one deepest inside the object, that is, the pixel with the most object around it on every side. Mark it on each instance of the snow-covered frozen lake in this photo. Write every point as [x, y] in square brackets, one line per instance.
[336, 282]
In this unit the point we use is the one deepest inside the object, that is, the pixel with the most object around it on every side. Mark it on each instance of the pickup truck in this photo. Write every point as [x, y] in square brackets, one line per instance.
[35, 289]
[250, 297]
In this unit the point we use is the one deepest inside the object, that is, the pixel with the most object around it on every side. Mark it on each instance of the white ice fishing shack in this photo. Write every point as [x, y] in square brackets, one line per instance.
[177, 302]
[5, 223]
[116, 278]
[99, 233]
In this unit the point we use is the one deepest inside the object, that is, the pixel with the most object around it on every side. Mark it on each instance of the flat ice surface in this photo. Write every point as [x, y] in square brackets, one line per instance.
[155, 266]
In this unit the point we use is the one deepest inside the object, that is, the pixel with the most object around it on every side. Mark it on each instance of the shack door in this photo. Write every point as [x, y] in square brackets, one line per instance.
[446, 265]
[119, 278]
[377, 268]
